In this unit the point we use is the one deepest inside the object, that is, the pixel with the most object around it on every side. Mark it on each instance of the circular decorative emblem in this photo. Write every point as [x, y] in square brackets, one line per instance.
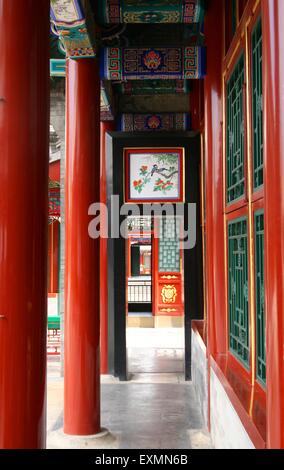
[152, 60]
[153, 122]
[169, 294]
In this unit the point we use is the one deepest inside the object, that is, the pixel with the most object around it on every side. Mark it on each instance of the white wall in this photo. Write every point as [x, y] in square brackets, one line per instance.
[199, 375]
[227, 430]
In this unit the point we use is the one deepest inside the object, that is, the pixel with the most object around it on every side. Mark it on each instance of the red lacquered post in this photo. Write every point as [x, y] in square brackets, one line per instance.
[273, 106]
[82, 291]
[213, 148]
[24, 148]
[214, 179]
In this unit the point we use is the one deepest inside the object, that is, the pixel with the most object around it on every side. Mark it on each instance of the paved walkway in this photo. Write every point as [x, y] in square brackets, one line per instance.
[156, 409]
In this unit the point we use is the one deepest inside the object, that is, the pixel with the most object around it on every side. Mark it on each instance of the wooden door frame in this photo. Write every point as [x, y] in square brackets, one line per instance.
[116, 142]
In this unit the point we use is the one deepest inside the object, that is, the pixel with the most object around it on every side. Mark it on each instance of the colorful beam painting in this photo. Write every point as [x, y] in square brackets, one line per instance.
[155, 122]
[69, 22]
[153, 87]
[154, 11]
[152, 63]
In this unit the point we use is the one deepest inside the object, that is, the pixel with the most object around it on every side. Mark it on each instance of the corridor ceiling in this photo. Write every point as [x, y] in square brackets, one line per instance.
[149, 52]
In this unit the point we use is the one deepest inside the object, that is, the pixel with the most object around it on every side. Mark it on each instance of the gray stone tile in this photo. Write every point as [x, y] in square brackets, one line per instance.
[157, 410]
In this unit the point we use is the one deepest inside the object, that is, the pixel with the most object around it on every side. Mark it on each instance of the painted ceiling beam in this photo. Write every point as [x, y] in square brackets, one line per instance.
[153, 87]
[155, 122]
[72, 21]
[151, 11]
[152, 63]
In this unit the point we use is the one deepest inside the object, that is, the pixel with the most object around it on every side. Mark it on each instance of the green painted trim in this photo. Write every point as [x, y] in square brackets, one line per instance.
[57, 67]
[53, 323]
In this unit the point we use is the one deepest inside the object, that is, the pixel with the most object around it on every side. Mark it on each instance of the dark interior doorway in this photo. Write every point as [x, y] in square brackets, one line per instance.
[139, 269]
[116, 143]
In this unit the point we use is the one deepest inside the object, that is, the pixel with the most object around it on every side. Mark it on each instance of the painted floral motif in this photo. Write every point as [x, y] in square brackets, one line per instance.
[143, 170]
[138, 185]
[163, 185]
[154, 122]
[152, 60]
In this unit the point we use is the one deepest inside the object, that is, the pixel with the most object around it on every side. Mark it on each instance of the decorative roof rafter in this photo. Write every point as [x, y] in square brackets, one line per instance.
[72, 21]
[151, 11]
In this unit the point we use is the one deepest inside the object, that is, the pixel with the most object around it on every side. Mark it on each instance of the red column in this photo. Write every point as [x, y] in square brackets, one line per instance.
[24, 142]
[82, 293]
[105, 127]
[214, 181]
[273, 105]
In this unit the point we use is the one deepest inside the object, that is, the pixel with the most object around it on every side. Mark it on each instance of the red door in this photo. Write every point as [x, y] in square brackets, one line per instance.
[168, 297]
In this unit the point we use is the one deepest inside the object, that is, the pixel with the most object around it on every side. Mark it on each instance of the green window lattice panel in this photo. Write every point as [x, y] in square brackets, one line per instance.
[259, 297]
[169, 246]
[238, 289]
[257, 105]
[235, 133]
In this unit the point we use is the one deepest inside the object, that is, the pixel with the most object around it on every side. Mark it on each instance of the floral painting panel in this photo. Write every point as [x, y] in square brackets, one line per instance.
[155, 176]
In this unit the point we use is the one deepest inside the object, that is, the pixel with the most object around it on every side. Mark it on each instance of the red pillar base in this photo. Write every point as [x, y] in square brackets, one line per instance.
[103, 440]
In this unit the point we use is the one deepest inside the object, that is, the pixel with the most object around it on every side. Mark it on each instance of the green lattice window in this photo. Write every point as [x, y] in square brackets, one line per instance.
[238, 289]
[235, 133]
[257, 107]
[169, 246]
[259, 297]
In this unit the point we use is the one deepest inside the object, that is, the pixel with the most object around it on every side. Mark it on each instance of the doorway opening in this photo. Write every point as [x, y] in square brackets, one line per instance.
[155, 303]
[189, 298]
[139, 272]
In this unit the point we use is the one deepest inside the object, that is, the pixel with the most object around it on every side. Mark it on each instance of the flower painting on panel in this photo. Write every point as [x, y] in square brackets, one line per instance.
[154, 175]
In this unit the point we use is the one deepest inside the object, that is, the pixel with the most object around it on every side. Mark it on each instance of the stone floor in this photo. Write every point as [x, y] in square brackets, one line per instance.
[155, 409]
